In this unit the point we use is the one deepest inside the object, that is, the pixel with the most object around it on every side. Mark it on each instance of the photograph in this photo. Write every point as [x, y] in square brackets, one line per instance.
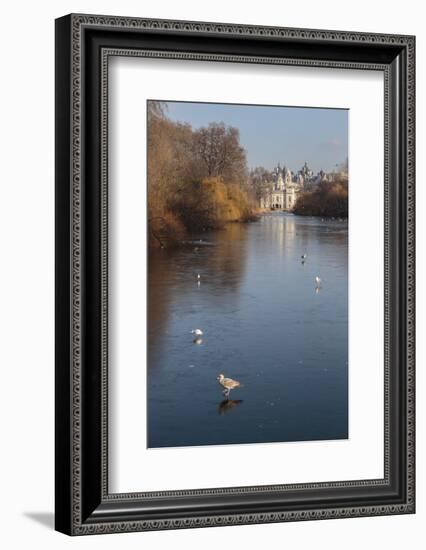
[234, 305]
[248, 209]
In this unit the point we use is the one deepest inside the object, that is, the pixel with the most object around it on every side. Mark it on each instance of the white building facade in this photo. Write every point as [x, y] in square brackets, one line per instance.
[284, 190]
[286, 186]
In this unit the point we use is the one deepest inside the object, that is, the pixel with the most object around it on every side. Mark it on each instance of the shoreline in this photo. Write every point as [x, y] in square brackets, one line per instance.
[172, 243]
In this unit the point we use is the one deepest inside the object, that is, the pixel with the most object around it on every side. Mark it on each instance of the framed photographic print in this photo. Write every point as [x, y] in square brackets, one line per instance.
[234, 274]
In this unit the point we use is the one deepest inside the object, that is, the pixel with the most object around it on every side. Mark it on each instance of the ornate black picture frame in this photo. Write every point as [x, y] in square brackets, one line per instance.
[83, 45]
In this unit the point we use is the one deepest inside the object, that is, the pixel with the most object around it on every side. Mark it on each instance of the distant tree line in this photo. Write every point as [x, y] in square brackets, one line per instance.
[197, 178]
[327, 199]
[260, 182]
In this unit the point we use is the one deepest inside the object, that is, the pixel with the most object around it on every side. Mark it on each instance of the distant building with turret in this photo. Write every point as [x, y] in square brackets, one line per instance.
[283, 191]
[286, 186]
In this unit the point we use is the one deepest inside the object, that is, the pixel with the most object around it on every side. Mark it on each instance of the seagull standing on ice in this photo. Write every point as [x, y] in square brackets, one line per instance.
[228, 384]
[197, 332]
[303, 256]
[317, 281]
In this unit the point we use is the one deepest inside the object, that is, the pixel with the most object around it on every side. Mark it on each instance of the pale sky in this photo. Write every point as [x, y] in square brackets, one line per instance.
[289, 135]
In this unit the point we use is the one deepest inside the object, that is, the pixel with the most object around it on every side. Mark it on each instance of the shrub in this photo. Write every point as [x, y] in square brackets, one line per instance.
[328, 199]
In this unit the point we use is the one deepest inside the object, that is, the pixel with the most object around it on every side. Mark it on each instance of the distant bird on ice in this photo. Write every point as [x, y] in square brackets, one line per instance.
[228, 384]
[317, 281]
[197, 332]
[303, 256]
[198, 276]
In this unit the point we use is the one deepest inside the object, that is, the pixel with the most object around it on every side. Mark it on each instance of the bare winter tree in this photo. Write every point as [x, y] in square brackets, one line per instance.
[156, 109]
[260, 180]
[219, 150]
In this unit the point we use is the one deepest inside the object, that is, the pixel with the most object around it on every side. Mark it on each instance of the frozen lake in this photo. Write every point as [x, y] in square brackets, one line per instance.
[264, 323]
